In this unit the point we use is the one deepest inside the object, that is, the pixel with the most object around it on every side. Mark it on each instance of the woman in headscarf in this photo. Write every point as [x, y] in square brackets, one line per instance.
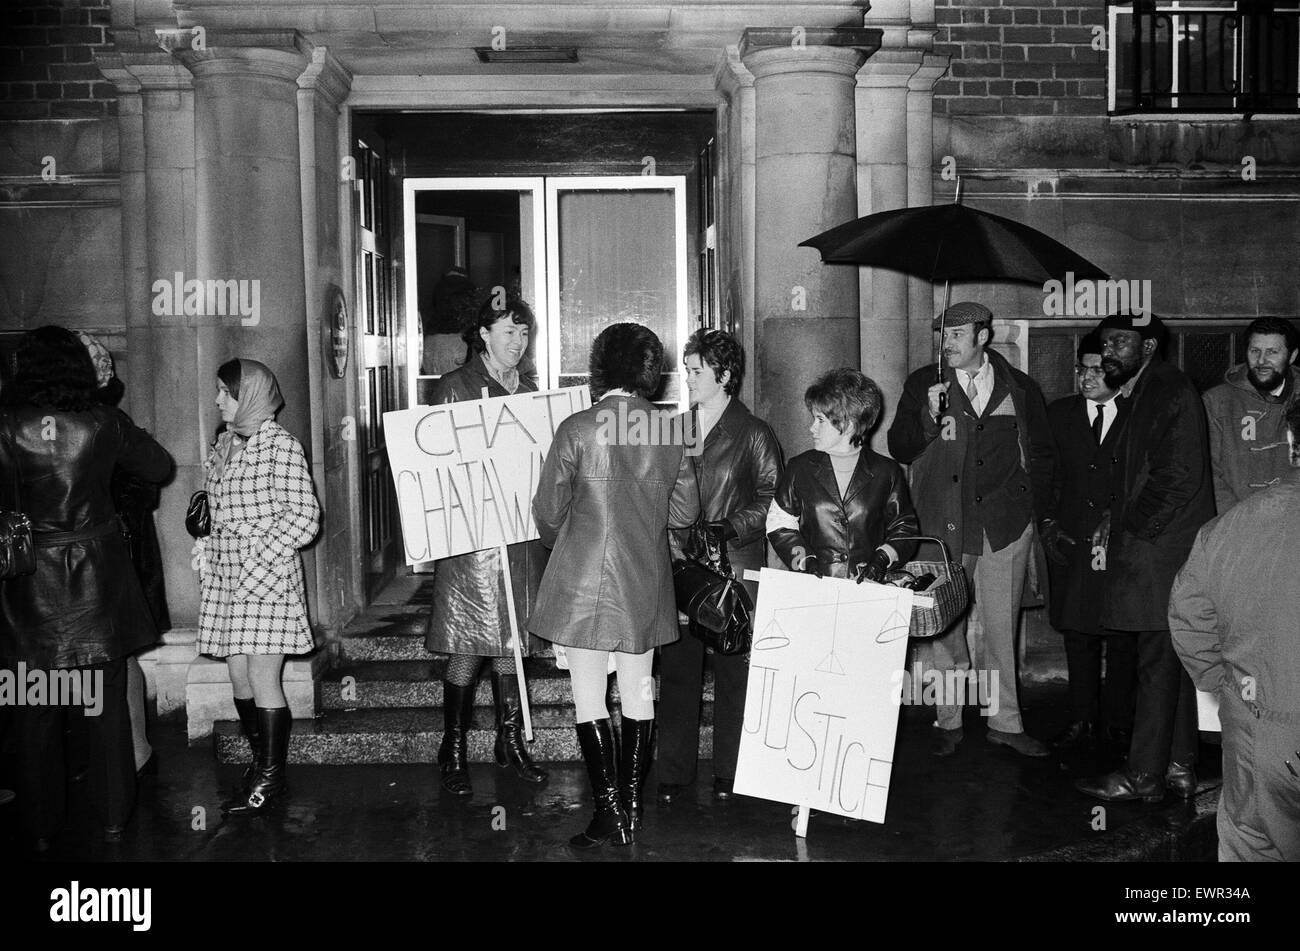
[253, 609]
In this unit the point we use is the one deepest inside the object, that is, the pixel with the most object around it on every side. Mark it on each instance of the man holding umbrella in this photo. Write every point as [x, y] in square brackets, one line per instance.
[981, 477]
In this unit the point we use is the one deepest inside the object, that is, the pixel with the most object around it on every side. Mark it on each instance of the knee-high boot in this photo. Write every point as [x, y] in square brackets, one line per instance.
[457, 713]
[269, 786]
[246, 707]
[610, 822]
[510, 747]
[634, 766]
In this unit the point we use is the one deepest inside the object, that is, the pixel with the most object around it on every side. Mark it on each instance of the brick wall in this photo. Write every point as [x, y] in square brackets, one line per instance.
[1021, 57]
[47, 68]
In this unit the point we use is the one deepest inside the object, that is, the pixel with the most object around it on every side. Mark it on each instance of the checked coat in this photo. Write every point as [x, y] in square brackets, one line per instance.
[263, 510]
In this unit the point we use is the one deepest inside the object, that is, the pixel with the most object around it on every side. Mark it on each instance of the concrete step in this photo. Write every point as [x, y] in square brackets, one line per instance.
[412, 735]
[418, 683]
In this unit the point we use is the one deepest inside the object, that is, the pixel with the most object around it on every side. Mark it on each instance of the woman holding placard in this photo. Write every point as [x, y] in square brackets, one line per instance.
[839, 507]
[469, 619]
[604, 504]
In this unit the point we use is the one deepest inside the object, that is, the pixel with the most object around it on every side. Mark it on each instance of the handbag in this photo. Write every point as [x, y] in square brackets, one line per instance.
[719, 609]
[950, 590]
[17, 553]
[198, 516]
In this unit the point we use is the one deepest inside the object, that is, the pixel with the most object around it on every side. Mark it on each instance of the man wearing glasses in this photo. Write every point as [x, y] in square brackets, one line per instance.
[1083, 487]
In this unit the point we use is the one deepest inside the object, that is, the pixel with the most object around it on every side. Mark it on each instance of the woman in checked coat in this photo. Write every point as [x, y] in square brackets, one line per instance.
[253, 610]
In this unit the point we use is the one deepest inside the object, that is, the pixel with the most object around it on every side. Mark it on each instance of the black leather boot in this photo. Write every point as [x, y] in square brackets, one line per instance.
[269, 787]
[457, 712]
[610, 822]
[511, 750]
[246, 707]
[633, 766]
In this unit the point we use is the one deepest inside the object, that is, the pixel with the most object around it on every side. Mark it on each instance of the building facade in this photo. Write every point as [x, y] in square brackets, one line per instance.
[300, 159]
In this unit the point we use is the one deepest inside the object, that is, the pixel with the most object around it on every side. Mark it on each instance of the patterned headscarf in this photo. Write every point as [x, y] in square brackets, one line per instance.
[99, 356]
[259, 399]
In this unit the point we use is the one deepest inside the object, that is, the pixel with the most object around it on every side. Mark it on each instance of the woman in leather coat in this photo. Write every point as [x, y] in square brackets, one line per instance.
[605, 501]
[469, 619]
[738, 462]
[839, 506]
[82, 609]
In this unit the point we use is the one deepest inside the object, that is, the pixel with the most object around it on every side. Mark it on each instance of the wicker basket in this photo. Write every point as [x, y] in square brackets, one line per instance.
[950, 591]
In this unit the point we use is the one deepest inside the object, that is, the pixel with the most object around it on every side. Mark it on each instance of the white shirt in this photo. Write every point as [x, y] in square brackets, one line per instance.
[1108, 413]
[983, 378]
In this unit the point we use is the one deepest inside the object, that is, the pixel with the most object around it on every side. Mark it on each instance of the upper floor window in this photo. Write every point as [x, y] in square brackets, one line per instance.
[1240, 56]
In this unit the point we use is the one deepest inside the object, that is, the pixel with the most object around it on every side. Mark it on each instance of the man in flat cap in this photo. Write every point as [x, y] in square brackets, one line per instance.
[1163, 497]
[981, 475]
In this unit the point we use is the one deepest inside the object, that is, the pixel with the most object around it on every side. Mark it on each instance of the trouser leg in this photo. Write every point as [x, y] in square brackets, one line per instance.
[681, 687]
[112, 757]
[1160, 677]
[951, 651]
[999, 586]
[1083, 662]
[42, 781]
[730, 681]
[1121, 680]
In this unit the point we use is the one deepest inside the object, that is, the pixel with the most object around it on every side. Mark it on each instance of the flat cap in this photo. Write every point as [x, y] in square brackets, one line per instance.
[964, 312]
[1148, 325]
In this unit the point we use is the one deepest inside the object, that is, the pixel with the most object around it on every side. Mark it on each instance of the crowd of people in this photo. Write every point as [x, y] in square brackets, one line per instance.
[1111, 493]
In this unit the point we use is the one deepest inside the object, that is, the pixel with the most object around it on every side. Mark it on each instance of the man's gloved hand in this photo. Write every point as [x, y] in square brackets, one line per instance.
[874, 570]
[721, 530]
[1053, 538]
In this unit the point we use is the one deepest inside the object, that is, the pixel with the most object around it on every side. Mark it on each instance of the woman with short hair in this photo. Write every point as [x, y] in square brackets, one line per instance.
[253, 609]
[738, 462]
[605, 501]
[840, 508]
[469, 619]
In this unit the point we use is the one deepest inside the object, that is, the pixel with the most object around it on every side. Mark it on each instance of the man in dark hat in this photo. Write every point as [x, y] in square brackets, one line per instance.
[981, 477]
[1161, 500]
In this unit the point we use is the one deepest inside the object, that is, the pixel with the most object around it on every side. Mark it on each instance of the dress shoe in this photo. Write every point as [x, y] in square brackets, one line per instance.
[1181, 780]
[1123, 786]
[1079, 735]
[945, 742]
[1022, 743]
[670, 792]
[722, 789]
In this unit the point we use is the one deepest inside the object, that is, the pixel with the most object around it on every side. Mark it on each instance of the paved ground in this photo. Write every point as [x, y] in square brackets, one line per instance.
[985, 803]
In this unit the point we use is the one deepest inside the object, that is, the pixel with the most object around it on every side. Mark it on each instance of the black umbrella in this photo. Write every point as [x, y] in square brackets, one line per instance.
[952, 243]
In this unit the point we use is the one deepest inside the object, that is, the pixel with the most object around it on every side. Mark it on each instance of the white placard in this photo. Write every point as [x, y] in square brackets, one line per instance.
[821, 712]
[1207, 712]
[466, 472]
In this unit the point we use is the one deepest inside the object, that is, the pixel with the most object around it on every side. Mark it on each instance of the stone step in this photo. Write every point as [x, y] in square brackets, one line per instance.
[412, 735]
[418, 683]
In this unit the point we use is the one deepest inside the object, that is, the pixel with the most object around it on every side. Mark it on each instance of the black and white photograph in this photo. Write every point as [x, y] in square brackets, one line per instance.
[440, 437]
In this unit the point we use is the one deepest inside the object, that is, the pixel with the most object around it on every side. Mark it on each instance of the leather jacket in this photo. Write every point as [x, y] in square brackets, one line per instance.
[844, 533]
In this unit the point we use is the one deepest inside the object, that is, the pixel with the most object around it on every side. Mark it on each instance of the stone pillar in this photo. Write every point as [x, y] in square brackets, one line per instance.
[806, 314]
[156, 129]
[920, 192]
[883, 186]
[736, 221]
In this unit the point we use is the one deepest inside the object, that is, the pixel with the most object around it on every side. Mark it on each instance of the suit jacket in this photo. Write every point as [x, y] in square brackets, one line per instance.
[1084, 486]
[844, 532]
[1165, 496]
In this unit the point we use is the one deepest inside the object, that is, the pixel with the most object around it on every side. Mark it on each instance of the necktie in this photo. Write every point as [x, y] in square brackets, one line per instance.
[972, 393]
[1096, 424]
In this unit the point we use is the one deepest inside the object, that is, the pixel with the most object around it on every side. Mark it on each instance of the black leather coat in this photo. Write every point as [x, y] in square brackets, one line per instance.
[83, 605]
[844, 533]
[738, 473]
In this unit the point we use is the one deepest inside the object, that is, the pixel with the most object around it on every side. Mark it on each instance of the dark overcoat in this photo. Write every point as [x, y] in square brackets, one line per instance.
[1084, 486]
[469, 614]
[604, 506]
[1165, 496]
[83, 605]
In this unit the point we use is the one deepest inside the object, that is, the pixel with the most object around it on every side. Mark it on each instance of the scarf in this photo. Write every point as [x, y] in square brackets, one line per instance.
[259, 400]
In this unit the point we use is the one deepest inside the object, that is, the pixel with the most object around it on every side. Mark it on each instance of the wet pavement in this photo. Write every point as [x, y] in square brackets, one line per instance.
[984, 803]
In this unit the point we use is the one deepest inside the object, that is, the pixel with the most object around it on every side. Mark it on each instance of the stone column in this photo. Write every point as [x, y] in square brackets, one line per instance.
[920, 192]
[736, 220]
[806, 314]
[156, 129]
[883, 186]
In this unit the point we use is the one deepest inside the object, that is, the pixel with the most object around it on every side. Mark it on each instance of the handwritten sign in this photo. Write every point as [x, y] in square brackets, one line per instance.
[822, 708]
[466, 472]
